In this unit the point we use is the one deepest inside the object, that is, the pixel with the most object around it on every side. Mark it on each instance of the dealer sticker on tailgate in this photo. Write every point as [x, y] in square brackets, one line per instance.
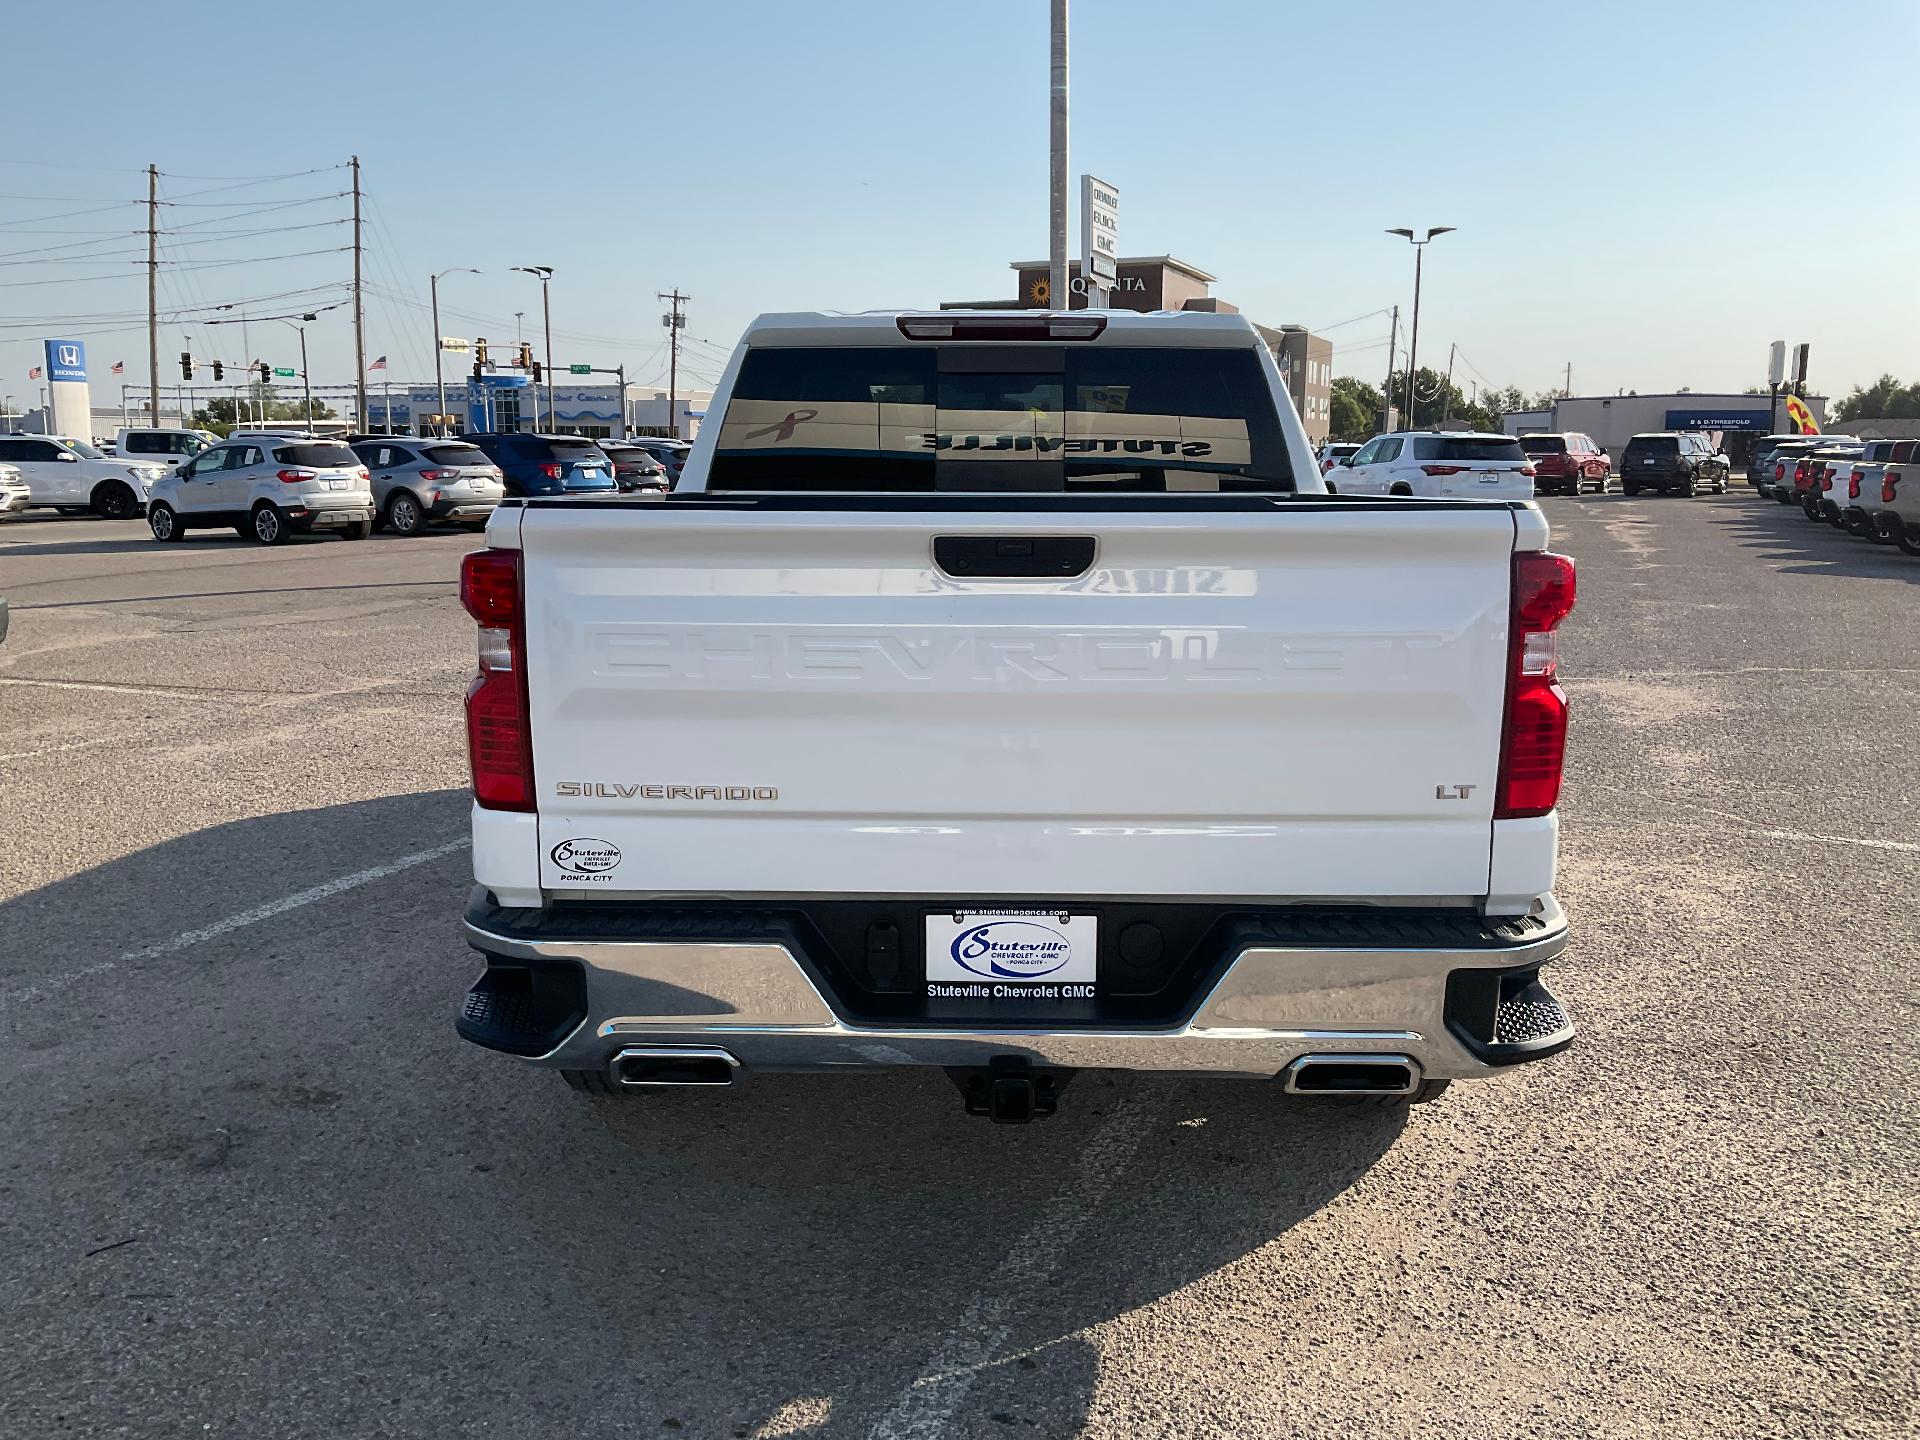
[1027, 954]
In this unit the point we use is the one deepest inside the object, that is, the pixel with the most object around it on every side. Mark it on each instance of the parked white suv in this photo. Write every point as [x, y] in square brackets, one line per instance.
[267, 487]
[74, 476]
[159, 445]
[1450, 464]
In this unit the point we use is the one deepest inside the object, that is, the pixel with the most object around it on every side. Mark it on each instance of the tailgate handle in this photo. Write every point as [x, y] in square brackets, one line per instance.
[1013, 557]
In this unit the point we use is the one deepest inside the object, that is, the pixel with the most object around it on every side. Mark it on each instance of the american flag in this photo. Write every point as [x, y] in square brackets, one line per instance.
[119, 367]
[34, 373]
[379, 364]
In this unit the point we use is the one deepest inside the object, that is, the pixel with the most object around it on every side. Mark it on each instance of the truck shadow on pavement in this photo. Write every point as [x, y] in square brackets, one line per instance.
[216, 1134]
[1785, 533]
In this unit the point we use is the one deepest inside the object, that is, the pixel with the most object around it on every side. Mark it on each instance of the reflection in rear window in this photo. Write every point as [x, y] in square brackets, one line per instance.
[1447, 447]
[457, 455]
[323, 454]
[1543, 444]
[966, 417]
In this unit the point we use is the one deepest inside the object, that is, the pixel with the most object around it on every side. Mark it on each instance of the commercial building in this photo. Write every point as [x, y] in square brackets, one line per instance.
[1612, 420]
[1161, 282]
[513, 402]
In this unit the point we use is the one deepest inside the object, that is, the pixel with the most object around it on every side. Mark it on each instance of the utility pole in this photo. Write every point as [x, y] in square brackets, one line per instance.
[1446, 406]
[1567, 389]
[153, 296]
[1413, 341]
[359, 317]
[674, 320]
[1386, 386]
[1057, 297]
[620, 426]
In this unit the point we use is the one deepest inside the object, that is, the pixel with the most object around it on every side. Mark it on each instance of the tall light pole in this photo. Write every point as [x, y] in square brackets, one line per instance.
[545, 272]
[439, 379]
[1057, 297]
[1413, 341]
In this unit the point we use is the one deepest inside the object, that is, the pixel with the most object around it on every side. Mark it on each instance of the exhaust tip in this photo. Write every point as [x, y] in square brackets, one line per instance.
[683, 1066]
[1353, 1075]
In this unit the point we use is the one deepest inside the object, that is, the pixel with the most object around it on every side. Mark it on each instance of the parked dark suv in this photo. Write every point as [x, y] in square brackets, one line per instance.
[1674, 463]
[547, 464]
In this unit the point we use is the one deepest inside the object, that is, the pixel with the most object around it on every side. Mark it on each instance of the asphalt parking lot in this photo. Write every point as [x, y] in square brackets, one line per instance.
[252, 1185]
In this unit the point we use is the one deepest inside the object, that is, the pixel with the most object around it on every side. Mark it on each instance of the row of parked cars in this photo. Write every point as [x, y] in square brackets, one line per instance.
[269, 484]
[1869, 488]
[1460, 462]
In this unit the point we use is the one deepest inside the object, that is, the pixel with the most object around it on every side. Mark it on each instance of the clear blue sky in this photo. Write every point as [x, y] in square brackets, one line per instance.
[1619, 173]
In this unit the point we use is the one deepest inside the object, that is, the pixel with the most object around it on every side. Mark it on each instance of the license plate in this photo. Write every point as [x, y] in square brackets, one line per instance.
[336, 484]
[1025, 954]
[1649, 462]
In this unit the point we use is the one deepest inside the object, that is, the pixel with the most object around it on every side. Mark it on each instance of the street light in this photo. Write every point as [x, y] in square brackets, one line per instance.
[439, 380]
[545, 272]
[1413, 343]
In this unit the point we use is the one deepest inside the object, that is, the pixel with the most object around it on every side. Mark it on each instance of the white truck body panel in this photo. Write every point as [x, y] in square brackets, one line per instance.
[1282, 705]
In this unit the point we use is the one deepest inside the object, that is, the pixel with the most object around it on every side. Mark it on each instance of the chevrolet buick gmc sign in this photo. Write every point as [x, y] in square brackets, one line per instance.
[66, 360]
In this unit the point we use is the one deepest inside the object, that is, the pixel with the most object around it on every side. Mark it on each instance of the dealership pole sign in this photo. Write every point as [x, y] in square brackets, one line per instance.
[69, 402]
[1099, 236]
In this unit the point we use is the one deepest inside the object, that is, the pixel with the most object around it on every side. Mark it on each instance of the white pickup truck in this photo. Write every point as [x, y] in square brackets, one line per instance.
[1003, 692]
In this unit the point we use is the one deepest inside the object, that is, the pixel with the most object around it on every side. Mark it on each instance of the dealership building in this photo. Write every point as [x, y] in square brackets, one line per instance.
[1612, 420]
[511, 401]
[1160, 282]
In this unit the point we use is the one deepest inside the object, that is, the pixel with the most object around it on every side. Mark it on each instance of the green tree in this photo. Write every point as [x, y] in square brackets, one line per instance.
[220, 416]
[1353, 414]
[1438, 402]
[1885, 399]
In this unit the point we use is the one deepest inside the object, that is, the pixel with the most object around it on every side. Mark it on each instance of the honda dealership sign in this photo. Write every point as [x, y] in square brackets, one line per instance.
[69, 401]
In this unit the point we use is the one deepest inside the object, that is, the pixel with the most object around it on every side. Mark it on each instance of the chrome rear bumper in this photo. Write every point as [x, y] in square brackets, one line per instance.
[1272, 1005]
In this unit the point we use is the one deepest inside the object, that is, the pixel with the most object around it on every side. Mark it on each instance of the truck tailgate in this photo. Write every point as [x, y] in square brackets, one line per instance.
[1299, 701]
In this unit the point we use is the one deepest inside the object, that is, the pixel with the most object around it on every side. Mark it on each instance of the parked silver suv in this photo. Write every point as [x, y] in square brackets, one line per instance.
[417, 483]
[267, 487]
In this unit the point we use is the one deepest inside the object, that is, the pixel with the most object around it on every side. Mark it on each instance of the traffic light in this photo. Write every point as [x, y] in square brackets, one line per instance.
[479, 353]
[526, 355]
[186, 364]
[535, 367]
[266, 372]
[217, 368]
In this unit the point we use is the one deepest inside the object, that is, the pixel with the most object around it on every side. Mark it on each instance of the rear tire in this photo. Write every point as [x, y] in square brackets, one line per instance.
[1908, 539]
[113, 501]
[165, 525]
[1627, 487]
[267, 526]
[405, 515]
[588, 1082]
[1401, 488]
[359, 530]
[1857, 522]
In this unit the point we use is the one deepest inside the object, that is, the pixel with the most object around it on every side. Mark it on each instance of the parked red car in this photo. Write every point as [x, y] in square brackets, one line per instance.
[1567, 464]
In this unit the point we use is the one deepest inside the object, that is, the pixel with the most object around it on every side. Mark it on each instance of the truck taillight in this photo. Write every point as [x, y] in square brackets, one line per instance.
[1888, 483]
[1800, 475]
[1533, 737]
[499, 744]
[1780, 472]
[1853, 485]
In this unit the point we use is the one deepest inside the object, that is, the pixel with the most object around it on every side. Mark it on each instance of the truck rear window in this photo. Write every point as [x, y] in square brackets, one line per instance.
[970, 417]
